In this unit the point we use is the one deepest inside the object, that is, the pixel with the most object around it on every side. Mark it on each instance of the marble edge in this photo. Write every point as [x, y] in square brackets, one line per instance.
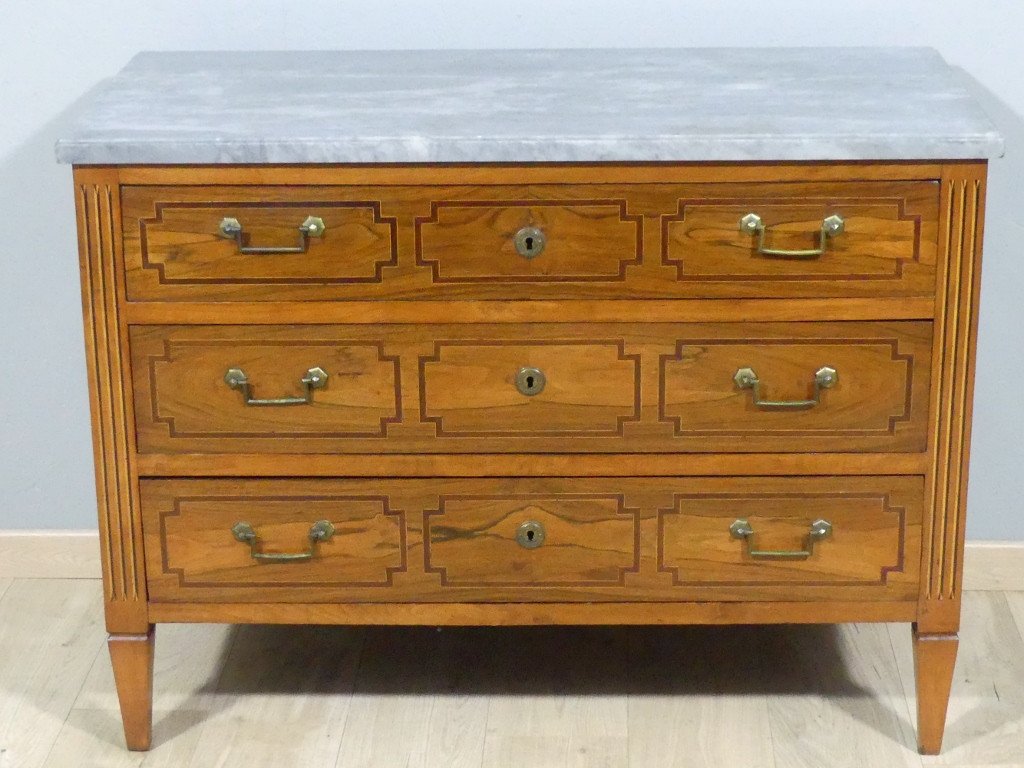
[411, 150]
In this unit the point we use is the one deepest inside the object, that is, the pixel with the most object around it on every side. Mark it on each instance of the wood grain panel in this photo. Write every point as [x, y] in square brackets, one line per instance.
[886, 248]
[604, 391]
[880, 398]
[868, 540]
[588, 539]
[191, 549]
[472, 241]
[467, 389]
[529, 464]
[455, 241]
[454, 540]
[110, 400]
[563, 311]
[955, 338]
[672, 613]
[184, 399]
[173, 249]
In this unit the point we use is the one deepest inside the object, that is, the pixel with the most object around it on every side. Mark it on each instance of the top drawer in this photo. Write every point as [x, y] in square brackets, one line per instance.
[719, 240]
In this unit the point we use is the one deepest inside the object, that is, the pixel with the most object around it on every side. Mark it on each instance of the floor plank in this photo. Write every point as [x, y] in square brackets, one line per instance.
[777, 697]
[51, 631]
[985, 721]
[836, 698]
[557, 697]
[1015, 604]
[282, 698]
[92, 739]
[697, 698]
[415, 701]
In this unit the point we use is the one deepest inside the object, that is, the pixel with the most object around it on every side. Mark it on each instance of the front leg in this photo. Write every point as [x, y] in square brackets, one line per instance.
[934, 659]
[132, 659]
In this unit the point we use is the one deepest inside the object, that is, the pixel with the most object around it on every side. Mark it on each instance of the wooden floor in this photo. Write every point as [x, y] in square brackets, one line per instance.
[305, 697]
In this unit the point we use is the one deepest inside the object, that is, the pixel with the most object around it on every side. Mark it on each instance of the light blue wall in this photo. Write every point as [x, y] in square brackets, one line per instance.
[54, 51]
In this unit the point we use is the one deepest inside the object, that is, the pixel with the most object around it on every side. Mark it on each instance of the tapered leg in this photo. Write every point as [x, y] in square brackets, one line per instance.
[934, 659]
[132, 659]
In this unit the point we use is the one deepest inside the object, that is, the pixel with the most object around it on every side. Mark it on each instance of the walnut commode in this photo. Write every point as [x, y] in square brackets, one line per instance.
[529, 392]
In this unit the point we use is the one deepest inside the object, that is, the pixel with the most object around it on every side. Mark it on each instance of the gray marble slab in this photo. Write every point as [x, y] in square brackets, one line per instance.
[531, 106]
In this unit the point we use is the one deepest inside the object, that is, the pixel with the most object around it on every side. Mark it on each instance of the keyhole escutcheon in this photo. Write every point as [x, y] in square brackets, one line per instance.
[530, 534]
[529, 242]
[530, 381]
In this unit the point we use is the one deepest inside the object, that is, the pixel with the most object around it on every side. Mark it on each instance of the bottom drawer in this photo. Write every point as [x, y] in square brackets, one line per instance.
[533, 539]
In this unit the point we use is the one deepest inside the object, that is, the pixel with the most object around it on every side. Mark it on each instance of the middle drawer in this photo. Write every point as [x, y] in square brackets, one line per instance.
[500, 388]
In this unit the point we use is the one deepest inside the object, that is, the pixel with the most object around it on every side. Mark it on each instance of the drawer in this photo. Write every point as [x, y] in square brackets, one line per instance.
[541, 235]
[790, 533]
[531, 389]
[262, 540]
[580, 388]
[558, 241]
[253, 243]
[812, 386]
[227, 388]
[803, 239]
[532, 539]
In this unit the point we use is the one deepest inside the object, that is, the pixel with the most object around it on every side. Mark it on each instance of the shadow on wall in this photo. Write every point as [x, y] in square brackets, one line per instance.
[997, 453]
[46, 478]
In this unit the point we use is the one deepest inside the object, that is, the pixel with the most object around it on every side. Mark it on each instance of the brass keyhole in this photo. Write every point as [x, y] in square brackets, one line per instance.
[530, 381]
[529, 242]
[530, 534]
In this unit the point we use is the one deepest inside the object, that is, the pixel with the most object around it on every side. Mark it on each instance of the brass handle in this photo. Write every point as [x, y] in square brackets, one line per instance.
[321, 530]
[530, 534]
[824, 378]
[315, 378]
[820, 529]
[231, 228]
[529, 242]
[830, 227]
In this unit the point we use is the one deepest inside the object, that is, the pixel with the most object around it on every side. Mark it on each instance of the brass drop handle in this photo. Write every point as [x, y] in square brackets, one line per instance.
[831, 226]
[315, 378]
[742, 529]
[231, 229]
[321, 530]
[824, 378]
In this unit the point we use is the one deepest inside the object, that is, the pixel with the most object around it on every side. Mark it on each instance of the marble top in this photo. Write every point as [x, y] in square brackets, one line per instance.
[531, 106]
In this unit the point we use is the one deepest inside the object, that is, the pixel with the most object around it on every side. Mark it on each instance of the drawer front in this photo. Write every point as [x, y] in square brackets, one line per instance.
[565, 388]
[241, 539]
[772, 532]
[465, 242]
[732, 387]
[756, 240]
[530, 241]
[196, 387]
[801, 387]
[177, 245]
[533, 539]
